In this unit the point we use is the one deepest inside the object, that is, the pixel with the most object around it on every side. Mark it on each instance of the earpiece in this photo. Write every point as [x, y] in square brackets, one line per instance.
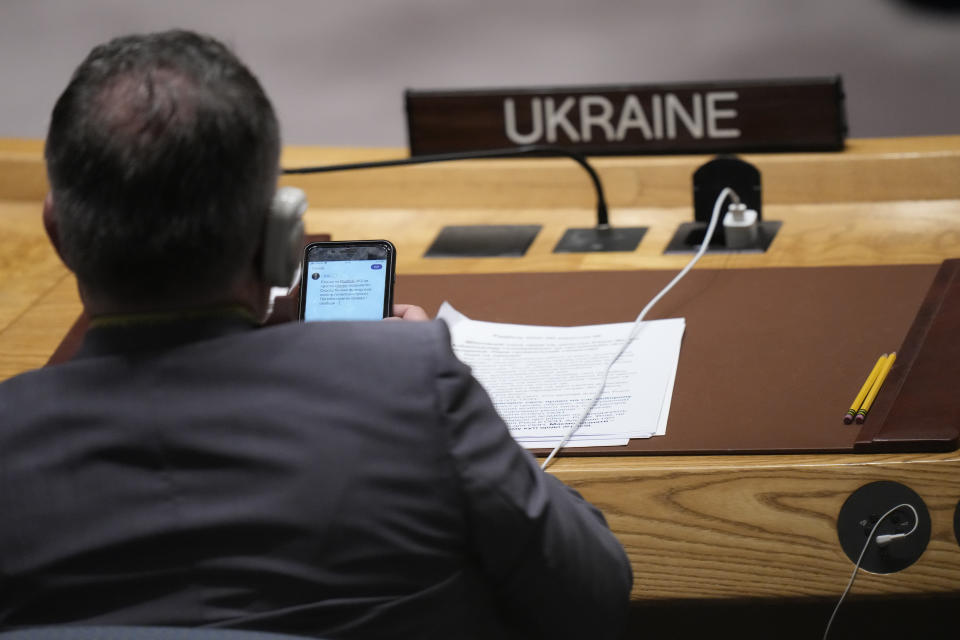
[889, 537]
[283, 237]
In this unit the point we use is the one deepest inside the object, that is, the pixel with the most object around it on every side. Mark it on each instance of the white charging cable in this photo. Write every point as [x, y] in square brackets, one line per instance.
[637, 324]
[881, 541]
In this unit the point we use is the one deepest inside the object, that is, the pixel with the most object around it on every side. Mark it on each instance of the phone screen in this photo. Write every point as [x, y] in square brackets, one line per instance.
[347, 281]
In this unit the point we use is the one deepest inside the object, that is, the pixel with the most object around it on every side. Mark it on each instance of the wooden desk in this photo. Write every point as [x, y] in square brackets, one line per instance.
[708, 528]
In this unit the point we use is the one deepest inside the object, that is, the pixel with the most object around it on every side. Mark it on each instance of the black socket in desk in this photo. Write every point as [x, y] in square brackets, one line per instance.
[860, 513]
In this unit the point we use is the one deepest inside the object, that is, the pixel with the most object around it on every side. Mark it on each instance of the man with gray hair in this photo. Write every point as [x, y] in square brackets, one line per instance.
[191, 468]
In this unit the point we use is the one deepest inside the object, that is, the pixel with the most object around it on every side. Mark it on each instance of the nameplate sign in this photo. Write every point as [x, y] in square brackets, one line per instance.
[709, 117]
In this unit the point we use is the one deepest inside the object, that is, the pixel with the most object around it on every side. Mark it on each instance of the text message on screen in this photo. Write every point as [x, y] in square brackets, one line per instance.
[345, 290]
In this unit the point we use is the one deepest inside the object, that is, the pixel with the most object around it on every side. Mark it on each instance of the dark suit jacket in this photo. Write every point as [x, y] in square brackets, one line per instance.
[333, 479]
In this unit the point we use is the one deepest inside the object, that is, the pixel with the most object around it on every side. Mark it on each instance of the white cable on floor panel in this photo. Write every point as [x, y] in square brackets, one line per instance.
[727, 191]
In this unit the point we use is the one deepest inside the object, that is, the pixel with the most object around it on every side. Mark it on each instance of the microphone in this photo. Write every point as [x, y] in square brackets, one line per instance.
[602, 237]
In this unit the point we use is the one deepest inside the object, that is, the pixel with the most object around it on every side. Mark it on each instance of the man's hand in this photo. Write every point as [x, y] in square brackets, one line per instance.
[408, 312]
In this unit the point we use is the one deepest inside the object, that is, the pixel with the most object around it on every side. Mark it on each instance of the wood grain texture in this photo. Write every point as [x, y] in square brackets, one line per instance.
[29, 341]
[28, 263]
[705, 527]
[812, 235]
[761, 526]
[869, 170]
[23, 176]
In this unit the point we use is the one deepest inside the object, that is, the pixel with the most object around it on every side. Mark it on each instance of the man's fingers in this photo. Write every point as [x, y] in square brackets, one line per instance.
[409, 312]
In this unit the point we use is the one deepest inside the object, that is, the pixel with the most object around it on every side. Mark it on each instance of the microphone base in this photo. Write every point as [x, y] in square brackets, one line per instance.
[599, 240]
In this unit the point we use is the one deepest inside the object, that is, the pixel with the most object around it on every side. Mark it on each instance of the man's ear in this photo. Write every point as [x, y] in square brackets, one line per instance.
[50, 223]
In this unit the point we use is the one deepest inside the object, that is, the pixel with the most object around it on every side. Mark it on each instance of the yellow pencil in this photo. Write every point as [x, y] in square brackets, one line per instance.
[864, 390]
[862, 412]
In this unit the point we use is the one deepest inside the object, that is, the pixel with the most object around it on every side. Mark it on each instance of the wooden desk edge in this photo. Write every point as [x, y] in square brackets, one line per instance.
[869, 170]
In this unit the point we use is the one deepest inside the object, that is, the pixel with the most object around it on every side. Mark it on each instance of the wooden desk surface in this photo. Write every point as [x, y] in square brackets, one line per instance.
[707, 527]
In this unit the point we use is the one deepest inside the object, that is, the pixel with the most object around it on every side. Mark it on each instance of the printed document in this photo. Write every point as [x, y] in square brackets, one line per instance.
[541, 379]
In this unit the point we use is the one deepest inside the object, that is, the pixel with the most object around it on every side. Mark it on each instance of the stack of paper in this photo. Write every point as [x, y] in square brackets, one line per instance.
[541, 379]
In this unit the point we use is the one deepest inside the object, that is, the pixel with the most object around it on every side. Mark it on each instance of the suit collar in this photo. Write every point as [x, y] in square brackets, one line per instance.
[134, 333]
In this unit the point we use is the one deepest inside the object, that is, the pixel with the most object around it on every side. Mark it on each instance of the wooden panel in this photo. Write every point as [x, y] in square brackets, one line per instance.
[812, 235]
[869, 170]
[761, 526]
[22, 172]
[28, 342]
[28, 264]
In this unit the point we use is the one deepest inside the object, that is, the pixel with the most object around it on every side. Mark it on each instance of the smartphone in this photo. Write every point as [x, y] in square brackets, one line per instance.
[350, 280]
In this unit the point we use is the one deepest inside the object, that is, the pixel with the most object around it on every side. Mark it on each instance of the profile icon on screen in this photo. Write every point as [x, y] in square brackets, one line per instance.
[315, 275]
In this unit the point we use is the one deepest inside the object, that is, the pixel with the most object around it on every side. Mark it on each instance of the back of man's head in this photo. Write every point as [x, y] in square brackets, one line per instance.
[162, 155]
